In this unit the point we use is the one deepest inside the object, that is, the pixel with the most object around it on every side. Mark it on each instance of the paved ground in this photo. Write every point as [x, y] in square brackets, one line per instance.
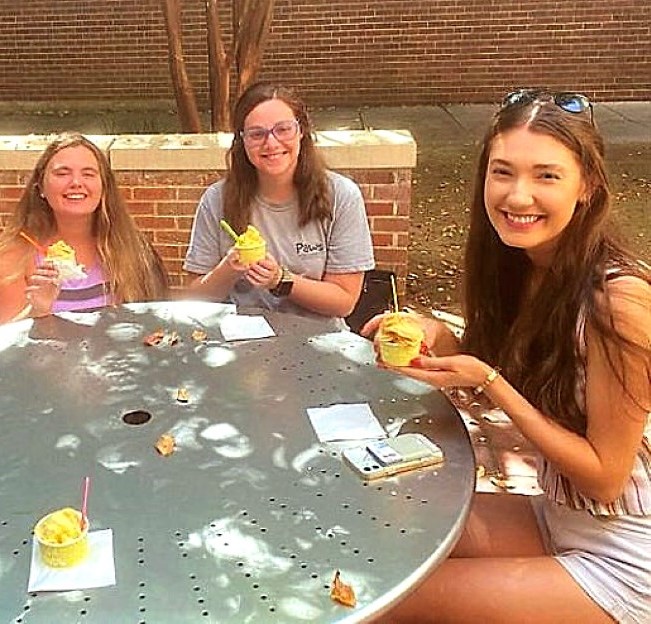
[619, 122]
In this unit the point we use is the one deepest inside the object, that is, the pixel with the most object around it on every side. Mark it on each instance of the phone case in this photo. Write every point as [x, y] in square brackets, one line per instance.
[382, 458]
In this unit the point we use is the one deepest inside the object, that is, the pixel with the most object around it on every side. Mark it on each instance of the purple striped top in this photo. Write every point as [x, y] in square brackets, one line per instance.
[85, 293]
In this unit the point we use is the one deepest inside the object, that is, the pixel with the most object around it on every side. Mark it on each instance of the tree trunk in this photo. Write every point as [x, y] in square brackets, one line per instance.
[253, 23]
[218, 71]
[183, 92]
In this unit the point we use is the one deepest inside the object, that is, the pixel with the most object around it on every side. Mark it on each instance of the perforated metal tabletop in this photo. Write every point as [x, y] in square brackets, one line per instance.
[249, 519]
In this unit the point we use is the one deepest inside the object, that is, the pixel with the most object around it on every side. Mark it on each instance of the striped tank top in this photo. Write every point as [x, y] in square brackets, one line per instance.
[84, 294]
[635, 500]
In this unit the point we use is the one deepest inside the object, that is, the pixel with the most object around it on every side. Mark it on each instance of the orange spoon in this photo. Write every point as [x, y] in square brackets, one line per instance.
[36, 244]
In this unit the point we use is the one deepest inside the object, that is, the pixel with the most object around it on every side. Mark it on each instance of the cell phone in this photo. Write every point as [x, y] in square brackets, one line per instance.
[382, 458]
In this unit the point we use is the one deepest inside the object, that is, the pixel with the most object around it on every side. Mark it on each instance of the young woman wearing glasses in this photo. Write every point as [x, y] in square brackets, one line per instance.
[313, 220]
[558, 335]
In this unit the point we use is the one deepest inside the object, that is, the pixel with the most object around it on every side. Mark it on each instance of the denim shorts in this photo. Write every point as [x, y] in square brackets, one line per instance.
[609, 557]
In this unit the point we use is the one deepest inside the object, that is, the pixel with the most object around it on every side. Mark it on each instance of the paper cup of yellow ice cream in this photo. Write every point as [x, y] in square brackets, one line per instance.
[251, 246]
[63, 257]
[400, 337]
[62, 541]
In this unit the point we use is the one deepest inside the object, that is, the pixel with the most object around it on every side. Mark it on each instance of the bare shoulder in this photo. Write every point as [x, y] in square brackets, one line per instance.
[630, 305]
[11, 256]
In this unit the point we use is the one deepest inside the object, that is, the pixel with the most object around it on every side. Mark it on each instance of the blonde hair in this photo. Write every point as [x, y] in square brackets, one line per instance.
[131, 266]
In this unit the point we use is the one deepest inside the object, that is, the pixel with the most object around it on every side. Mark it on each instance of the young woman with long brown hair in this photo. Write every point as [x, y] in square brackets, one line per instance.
[72, 196]
[313, 220]
[558, 335]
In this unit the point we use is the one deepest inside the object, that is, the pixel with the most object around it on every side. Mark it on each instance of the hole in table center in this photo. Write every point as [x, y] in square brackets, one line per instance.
[136, 417]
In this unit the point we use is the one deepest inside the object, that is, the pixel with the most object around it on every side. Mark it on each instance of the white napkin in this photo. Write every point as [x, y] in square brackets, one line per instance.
[96, 570]
[352, 421]
[242, 327]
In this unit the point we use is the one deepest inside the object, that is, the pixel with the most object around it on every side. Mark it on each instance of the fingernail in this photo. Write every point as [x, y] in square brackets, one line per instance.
[415, 362]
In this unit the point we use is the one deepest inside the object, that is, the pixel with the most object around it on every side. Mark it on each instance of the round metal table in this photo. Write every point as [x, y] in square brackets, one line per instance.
[249, 519]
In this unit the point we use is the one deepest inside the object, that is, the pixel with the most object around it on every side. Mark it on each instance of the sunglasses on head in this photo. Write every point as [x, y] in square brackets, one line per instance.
[574, 103]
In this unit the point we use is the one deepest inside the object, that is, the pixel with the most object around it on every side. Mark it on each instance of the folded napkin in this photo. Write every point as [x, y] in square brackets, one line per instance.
[346, 421]
[96, 570]
[243, 327]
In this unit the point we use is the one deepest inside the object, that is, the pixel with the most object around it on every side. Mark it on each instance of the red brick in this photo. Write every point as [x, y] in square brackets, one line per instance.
[170, 236]
[382, 240]
[390, 224]
[375, 208]
[337, 52]
[186, 209]
[394, 256]
[155, 223]
[141, 208]
[149, 193]
[191, 193]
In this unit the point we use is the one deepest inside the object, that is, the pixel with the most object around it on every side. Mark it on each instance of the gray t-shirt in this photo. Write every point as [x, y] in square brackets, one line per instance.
[340, 245]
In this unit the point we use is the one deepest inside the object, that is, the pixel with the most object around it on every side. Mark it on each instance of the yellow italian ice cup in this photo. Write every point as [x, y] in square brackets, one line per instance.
[250, 254]
[396, 354]
[62, 541]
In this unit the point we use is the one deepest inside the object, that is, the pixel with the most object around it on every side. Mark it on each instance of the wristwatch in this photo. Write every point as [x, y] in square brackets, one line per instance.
[285, 285]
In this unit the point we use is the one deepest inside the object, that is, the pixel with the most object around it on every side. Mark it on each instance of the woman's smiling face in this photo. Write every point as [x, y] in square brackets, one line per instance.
[532, 186]
[72, 183]
[273, 158]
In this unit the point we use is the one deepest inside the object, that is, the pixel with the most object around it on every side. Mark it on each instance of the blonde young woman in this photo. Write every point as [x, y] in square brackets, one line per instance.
[72, 196]
[558, 335]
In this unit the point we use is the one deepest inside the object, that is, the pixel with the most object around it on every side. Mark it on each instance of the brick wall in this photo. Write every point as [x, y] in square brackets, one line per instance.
[361, 52]
[162, 183]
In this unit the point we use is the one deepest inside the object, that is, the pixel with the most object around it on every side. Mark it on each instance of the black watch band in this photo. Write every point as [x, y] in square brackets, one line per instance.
[285, 285]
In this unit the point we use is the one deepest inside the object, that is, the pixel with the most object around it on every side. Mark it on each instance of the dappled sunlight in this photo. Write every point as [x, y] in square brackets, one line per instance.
[124, 332]
[225, 540]
[188, 312]
[302, 459]
[113, 459]
[288, 511]
[185, 432]
[346, 344]
[216, 356]
[69, 442]
[15, 334]
[88, 319]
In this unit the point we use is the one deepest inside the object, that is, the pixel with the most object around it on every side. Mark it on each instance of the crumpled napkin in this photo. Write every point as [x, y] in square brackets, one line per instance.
[96, 570]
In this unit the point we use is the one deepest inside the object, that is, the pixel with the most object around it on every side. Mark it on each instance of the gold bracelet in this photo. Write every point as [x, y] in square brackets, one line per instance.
[493, 374]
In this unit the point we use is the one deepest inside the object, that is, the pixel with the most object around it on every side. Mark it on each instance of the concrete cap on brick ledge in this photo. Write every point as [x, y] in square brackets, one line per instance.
[20, 153]
[368, 149]
[342, 149]
[166, 152]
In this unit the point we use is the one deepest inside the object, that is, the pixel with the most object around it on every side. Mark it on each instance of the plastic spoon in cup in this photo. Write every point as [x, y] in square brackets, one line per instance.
[395, 294]
[229, 230]
[31, 241]
[84, 502]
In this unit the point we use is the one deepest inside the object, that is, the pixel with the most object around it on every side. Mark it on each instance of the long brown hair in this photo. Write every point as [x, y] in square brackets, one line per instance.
[310, 177]
[131, 265]
[539, 348]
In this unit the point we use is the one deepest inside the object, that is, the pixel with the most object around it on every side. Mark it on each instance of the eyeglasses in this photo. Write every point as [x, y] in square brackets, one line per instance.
[283, 131]
[574, 103]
